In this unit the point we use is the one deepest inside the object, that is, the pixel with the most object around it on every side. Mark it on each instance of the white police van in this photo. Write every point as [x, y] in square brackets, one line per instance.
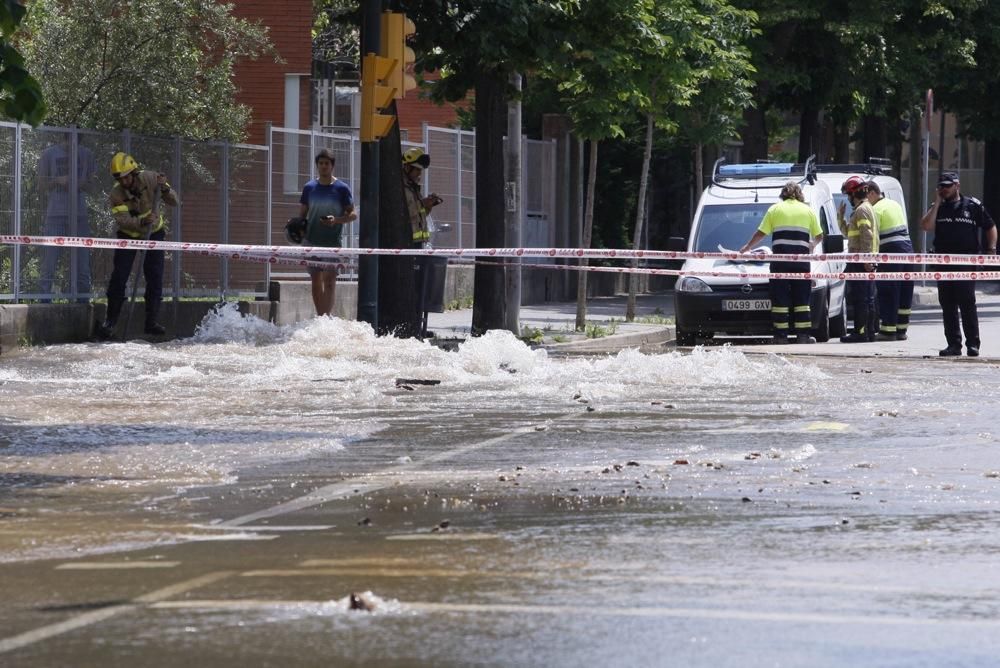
[728, 213]
[876, 169]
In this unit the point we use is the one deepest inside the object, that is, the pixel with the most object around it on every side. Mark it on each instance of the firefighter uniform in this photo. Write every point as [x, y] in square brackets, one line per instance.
[862, 237]
[136, 210]
[895, 298]
[792, 225]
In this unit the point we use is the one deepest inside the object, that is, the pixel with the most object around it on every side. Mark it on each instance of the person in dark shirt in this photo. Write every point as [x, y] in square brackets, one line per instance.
[959, 224]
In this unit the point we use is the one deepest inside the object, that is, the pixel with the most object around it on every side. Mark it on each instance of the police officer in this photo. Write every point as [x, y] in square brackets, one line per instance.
[957, 222]
[794, 228]
[135, 205]
[895, 298]
[862, 237]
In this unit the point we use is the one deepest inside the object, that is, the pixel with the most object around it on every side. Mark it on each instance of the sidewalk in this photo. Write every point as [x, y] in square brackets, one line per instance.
[552, 326]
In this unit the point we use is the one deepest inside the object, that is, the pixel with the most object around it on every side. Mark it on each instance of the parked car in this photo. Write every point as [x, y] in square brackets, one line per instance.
[728, 213]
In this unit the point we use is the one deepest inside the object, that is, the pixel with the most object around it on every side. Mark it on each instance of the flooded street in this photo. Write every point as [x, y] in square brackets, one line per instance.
[216, 500]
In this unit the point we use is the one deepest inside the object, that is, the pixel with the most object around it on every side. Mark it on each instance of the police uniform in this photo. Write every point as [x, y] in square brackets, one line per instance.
[958, 229]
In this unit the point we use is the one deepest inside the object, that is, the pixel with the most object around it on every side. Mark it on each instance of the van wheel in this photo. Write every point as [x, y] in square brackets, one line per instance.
[685, 338]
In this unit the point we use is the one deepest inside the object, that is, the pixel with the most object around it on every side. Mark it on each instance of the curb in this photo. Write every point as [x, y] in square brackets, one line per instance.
[614, 343]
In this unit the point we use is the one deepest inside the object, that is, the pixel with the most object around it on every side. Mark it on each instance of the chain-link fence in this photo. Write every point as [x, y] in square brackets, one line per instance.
[230, 193]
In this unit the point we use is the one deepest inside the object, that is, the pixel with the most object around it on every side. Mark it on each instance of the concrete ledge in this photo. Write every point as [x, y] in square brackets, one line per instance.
[616, 342]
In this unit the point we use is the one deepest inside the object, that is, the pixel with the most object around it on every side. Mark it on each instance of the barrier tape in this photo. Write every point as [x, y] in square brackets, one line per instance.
[310, 256]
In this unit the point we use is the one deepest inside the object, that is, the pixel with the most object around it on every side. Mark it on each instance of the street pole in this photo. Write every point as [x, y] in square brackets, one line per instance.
[514, 211]
[371, 25]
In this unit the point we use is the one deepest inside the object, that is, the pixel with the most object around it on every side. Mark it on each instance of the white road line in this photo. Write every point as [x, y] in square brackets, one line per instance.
[265, 527]
[113, 565]
[95, 616]
[599, 611]
[344, 490]
[410, 569]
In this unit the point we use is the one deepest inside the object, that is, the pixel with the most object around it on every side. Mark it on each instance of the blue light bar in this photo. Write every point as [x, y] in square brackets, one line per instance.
[757, 169]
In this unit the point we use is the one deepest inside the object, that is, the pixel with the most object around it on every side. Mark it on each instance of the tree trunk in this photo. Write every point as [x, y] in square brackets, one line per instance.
[640, 218]
[488, 310]
[397, 298]
[991, 178]
[874, 142]
[841, 144]
[699, 168]
[588, 228]
[809, 127]
[754, 135]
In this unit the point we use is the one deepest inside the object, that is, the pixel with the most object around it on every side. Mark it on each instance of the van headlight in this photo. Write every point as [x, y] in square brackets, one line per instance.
[692, 284]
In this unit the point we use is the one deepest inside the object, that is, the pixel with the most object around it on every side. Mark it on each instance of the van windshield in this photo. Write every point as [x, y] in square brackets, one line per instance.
[729, 226]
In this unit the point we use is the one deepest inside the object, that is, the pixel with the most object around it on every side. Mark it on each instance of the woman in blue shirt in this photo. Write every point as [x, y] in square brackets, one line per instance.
[327, 205]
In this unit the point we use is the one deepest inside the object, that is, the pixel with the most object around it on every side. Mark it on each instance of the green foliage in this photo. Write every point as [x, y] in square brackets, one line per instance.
[336, 34]
[20, 94]
[159, 67]
[532, 335]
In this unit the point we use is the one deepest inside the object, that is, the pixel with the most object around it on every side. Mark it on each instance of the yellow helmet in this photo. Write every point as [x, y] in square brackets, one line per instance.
[416, 155]
[123, 164]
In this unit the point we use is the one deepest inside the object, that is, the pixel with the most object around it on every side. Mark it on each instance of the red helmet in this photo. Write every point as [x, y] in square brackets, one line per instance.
[854, 185]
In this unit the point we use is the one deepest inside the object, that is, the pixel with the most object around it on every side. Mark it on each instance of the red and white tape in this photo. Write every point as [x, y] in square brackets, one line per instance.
[325, 257]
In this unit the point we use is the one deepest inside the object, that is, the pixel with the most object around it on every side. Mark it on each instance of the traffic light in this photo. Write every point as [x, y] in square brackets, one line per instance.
[396, 29]
[376, 94]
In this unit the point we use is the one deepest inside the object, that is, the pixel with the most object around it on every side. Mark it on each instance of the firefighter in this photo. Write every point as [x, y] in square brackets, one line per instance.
[895, 298]
[862, 237]
[415, 161]
[135, 205]
[794, 229]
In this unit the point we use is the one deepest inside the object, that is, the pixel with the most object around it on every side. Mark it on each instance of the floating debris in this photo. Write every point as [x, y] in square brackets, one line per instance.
[416, 381]
[360, 602]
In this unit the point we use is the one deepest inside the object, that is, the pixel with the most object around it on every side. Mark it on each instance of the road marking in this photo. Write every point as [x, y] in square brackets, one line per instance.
[345, 490]
[95, 616]
[113, 565]
[596, 611]
[411, 569]
[265, 527]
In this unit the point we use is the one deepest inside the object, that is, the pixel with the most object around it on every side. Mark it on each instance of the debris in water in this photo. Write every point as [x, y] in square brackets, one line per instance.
[591, 409]
[442, 525]
[887, 413]
[633, 463]
[617, 467]
[366, 522]
[360, 602]
[416, 381]
[752, 455]
[992, 474]
[747, 499]
[680, 462]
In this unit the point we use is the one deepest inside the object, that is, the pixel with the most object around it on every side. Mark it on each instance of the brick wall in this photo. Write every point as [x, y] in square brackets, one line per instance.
[261, 83]
[414, 110]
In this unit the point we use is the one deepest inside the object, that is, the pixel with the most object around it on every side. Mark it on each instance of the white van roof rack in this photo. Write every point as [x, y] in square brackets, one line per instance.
[804, 172]
[873, 167]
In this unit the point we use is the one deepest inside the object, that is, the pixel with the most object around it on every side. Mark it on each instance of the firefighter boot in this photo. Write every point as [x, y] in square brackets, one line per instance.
[862, 325]
[152, 312]
[106, 329]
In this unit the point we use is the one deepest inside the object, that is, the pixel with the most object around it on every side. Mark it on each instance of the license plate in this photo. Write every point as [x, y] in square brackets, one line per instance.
[746, 304]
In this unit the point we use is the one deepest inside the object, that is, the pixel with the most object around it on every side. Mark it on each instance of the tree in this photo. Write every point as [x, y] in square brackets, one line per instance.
[476, 45]
[699, 57]
[159, 67]
[968, 90]
[20, 95]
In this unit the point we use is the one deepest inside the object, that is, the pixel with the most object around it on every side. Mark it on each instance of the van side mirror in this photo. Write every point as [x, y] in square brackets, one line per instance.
[834, 244]
[678, 244]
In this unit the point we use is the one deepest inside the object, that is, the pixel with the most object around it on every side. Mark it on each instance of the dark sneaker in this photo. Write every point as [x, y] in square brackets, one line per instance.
[951, 351]
[804, 338]
[901, 336]
[854, 337]
[155, 329]
[886, 336]
[972, 351]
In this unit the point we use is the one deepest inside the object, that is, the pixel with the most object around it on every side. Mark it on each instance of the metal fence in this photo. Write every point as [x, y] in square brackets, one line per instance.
[230, 193]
